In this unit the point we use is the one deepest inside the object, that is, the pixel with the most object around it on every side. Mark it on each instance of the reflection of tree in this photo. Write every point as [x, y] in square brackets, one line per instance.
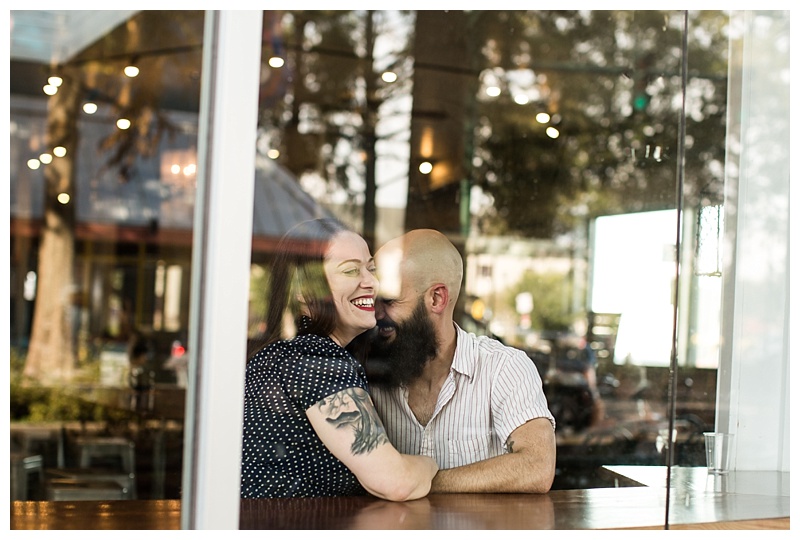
[171, 41]
[51, 355]
[324, 118]
[551, 300]
[610, 81]
[588, 70]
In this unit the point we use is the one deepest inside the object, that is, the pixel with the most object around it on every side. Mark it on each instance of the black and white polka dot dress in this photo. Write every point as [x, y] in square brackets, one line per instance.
[281, 453]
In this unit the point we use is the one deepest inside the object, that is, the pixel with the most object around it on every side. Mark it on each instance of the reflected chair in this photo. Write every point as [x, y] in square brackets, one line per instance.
[107, 470]
[22, 467]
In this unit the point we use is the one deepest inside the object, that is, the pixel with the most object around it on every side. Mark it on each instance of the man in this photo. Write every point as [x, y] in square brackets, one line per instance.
[473, 404]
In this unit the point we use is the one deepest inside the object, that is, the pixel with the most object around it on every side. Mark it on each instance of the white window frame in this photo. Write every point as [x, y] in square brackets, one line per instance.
[753, 379]
[221, 250]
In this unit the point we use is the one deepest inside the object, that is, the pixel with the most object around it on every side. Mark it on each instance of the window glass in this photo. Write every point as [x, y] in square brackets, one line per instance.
[545, 144]
[103, 144]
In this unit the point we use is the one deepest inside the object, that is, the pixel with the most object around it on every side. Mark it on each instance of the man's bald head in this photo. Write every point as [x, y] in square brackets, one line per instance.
[418, 259]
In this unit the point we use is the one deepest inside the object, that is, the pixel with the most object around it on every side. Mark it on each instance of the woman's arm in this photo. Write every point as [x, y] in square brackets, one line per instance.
[350, 428]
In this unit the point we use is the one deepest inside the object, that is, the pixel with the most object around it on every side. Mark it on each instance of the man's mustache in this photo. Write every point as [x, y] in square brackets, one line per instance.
[386, 323]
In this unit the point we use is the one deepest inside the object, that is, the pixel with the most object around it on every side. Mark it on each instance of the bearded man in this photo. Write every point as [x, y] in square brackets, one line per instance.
[473, 404]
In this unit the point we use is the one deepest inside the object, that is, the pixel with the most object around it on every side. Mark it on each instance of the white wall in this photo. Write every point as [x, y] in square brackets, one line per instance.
[753, 382]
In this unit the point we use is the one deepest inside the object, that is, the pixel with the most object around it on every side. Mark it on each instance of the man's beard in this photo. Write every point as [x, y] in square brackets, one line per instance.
[401, 361]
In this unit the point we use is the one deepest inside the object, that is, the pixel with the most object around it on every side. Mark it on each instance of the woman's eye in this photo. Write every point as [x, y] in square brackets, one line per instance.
[372, 269]
[351, 272]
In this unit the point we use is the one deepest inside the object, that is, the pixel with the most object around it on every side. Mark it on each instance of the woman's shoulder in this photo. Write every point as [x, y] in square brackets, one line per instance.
[299, 347]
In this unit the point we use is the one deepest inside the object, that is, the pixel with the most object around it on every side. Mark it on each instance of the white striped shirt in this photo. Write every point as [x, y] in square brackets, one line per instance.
[490, 391]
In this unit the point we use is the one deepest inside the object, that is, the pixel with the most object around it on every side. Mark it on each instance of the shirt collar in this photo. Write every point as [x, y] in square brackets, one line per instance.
[465, 357]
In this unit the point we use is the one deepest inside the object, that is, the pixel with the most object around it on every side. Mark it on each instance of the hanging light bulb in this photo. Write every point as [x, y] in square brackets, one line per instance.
[131, 70]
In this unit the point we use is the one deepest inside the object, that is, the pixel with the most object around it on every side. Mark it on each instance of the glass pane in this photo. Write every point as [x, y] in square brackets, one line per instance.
[699, 329]
[546, 146]
[104, 108]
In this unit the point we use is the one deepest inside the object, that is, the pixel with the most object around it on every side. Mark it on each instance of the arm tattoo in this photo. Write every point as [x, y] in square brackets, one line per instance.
[350, 408]
[510, 446]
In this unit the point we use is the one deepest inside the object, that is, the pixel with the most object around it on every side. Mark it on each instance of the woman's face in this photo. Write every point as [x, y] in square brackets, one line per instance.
[350, 270]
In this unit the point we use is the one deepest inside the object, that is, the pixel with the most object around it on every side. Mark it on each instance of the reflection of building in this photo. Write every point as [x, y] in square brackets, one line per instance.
[496, 264]
[133, 237]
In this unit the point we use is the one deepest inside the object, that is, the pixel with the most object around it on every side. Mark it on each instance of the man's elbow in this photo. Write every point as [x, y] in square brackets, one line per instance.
[535, 485]
[543, 484]
[541, 477]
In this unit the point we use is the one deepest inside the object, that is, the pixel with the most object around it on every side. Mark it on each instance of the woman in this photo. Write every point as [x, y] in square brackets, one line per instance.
[310, 428]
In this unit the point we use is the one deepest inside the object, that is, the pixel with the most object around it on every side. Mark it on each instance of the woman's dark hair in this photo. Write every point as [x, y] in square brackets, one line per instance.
[298, 269]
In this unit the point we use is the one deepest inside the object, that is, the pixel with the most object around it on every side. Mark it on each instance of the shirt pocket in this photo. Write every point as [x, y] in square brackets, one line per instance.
[466, 451]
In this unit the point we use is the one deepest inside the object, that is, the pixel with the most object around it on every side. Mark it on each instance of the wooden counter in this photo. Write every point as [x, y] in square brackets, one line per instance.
[692, 505]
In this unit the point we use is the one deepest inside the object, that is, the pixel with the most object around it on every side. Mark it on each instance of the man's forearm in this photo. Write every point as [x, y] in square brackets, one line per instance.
[528, 467]
[509, 473]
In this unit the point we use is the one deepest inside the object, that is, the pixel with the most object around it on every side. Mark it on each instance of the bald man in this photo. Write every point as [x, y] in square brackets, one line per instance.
[473, 404]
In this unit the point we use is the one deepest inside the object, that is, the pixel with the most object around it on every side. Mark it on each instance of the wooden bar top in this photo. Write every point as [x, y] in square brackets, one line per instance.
[691, 506]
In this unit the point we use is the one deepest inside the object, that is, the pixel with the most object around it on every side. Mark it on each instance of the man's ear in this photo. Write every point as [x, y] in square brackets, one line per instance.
[439, 297]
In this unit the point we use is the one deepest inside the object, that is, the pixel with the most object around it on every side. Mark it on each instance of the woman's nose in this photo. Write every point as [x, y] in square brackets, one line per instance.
[368, 279]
